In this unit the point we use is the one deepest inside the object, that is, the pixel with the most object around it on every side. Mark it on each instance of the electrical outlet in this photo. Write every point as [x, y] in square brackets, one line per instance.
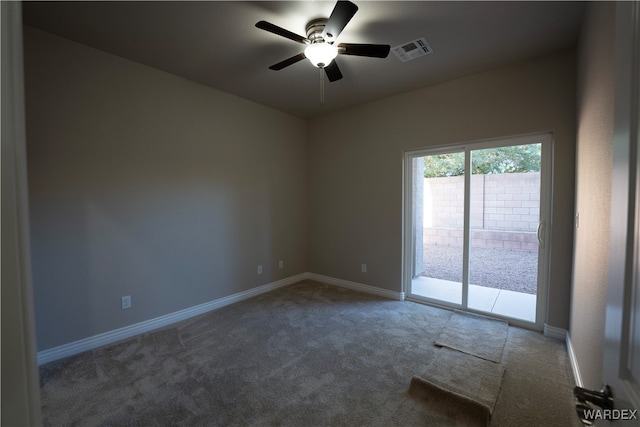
[363, 268]
[259, 269]
[280, 264]
[126, 302]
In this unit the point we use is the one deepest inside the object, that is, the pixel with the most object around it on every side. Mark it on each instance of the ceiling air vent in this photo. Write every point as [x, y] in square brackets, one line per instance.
[411, 50]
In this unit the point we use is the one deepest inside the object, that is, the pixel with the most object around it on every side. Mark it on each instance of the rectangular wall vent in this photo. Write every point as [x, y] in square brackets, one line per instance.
[412, 50]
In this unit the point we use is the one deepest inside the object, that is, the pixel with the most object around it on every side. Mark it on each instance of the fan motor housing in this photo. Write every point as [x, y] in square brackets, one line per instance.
[315, 29]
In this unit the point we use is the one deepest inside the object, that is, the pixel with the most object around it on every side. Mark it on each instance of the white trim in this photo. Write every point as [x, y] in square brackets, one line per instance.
[555, 332]
[368, 289]
[574, 362]
[563, 334]
[110, 337]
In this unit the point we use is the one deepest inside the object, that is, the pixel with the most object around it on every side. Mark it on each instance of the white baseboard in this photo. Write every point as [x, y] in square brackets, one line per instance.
[110, 337]
[554, 332]
[116, 335]
[563, 335]
[574, 362]
[399, 296]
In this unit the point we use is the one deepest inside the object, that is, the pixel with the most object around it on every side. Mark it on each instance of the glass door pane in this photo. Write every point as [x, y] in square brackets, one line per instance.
[439, 225]
[504, 219]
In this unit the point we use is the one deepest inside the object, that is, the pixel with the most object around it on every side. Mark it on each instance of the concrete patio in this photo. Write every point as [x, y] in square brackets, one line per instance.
[517, 305]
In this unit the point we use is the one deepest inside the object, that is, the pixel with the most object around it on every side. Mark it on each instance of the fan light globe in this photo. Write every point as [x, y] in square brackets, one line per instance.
[321, 54]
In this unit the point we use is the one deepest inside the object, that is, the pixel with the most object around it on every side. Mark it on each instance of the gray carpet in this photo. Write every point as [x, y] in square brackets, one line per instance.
[305, 355]
[475, 335]
[466, 371]
[469, 376]
[459, 409]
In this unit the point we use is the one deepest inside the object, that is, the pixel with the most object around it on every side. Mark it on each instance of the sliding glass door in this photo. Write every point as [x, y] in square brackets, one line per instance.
[475, 231]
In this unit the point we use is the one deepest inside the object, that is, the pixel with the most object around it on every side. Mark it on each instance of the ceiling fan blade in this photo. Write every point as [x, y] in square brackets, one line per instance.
[287, 62]
[268, 26]
[340, 17]
[371, 50]
[333, 71]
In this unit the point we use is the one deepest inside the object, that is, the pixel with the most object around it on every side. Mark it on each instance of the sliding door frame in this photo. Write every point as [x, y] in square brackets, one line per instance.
[544, 231]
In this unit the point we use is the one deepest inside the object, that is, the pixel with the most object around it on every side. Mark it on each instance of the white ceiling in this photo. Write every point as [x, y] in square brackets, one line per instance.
[217, 44]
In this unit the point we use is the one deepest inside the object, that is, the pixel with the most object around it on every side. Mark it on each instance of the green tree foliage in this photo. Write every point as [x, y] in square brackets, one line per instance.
[515, 159]
[450, 164]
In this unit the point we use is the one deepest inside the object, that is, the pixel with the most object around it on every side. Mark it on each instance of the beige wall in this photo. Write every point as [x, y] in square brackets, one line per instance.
[145, 184]
[355, 165]
[149, 185]
[593, 188]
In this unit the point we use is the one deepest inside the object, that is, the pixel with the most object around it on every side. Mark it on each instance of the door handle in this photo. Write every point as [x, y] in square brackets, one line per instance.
[540, 233]
[602, 398]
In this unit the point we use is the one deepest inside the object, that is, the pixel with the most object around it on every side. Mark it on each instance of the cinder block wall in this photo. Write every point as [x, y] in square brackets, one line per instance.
[511, 201]
[505, 210]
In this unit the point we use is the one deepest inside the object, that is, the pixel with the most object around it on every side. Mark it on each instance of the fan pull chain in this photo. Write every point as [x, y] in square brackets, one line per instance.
[321, 87]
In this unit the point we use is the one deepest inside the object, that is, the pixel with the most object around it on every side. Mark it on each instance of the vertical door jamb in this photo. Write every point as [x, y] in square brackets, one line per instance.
[546, 205]
[466, 240]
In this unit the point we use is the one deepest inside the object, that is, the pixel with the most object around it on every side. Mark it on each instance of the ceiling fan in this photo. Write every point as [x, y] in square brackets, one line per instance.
[322, 33]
